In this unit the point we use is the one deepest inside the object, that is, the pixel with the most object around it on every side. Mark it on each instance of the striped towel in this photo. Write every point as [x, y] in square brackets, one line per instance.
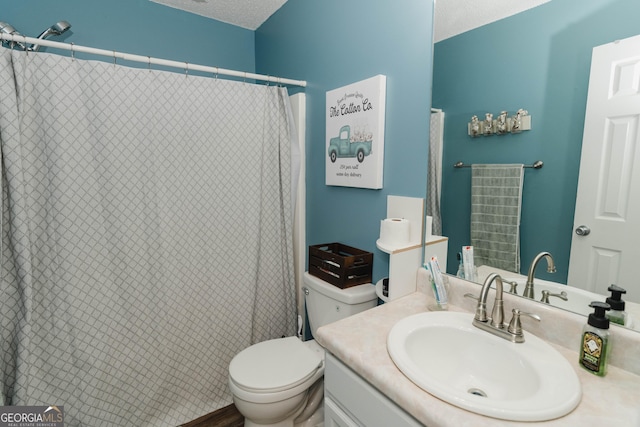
[496, 198]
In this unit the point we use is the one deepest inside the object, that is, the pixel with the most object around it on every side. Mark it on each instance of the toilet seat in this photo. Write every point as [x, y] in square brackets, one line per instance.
[275, 365]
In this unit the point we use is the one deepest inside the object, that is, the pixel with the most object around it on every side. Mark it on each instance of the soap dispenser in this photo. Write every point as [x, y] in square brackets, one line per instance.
[617, 313]
[594, 344]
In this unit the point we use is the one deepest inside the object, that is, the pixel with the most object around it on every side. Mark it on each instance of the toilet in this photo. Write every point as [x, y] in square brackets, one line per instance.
[279, 382]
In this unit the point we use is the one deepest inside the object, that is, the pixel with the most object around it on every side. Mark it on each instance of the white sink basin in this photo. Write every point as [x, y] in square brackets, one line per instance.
[445, 355]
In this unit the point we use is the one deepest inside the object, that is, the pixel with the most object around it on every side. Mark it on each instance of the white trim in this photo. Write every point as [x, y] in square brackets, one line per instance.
[298, 106]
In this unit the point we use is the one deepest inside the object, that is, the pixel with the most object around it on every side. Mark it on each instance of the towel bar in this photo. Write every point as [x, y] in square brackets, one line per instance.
[536, 165]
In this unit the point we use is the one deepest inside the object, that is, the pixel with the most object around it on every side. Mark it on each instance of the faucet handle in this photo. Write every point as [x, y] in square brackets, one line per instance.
[472, 296]
[515, 326]
[546, 294]
[513, 285]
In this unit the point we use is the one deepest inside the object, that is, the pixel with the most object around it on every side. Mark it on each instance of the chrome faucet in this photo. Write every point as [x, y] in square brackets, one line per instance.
[513, 286]
[497, 314]
[551, 268]
[495, 324]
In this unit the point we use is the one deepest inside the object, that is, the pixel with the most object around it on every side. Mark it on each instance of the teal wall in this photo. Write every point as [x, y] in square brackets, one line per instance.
[140, 27]
[329, 43]
[538, 60]
[332, 43]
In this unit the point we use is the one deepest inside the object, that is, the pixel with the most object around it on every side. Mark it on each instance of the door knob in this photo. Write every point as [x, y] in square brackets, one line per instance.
[583, 230]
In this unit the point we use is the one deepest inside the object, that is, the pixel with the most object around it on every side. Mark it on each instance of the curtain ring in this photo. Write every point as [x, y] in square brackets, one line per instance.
[217, 71]
[114, 57]
[149, 62]
[14, 42]
[186, 69]
[25, 45]
[73, 54]
[268, 80]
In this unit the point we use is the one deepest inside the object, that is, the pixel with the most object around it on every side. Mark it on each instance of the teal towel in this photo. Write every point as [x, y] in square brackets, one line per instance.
[496, 199]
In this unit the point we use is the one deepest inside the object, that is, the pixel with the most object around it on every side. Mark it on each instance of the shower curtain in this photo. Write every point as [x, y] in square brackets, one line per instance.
[146, 236]
[434, 190]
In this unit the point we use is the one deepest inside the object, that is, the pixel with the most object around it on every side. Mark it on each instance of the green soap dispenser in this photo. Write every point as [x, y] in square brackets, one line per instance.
[617, 313]
[594, 345]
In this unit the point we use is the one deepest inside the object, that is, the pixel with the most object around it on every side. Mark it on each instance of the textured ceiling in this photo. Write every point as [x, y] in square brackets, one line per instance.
[248, 14]
[452, 17]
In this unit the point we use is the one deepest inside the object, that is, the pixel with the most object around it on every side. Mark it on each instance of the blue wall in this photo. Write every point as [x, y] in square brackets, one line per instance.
[332, 43]
[140, 27]
[329, 43]
[538, 60]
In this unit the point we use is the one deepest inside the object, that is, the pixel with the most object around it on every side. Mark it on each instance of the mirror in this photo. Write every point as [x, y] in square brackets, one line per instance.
[538, 60]
[557, 294]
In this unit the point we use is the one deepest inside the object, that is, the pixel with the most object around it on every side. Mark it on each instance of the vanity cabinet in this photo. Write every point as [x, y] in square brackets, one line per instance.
[350, 401]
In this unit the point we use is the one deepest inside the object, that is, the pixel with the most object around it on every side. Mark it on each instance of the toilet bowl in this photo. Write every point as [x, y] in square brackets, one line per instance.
[279, 382]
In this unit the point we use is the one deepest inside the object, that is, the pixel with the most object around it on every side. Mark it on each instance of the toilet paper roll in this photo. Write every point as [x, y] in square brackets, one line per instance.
[394, 231]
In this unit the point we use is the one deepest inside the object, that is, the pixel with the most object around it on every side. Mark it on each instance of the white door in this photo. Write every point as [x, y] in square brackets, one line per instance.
[608, 199]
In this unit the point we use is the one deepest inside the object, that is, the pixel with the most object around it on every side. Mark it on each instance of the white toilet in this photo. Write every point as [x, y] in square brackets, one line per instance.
[278, 383]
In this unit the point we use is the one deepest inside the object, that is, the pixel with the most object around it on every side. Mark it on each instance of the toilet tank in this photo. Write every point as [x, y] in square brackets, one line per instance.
[327, 303]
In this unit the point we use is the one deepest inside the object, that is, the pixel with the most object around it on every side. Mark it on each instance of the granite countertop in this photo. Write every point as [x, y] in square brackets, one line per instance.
[360, 342]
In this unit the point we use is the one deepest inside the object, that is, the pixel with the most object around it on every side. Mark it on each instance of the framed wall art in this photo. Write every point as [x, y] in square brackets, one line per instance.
[355, 134]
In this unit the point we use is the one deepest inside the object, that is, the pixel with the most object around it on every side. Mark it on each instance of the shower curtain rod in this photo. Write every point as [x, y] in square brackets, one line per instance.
[149, 60]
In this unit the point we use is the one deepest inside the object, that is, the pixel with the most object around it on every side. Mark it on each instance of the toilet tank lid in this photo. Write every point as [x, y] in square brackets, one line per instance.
[353, 295]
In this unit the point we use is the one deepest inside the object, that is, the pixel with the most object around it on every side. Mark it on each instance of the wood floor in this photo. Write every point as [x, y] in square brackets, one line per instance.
[223, 417]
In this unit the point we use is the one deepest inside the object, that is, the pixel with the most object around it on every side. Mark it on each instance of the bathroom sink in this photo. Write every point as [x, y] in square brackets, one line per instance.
[445, 355]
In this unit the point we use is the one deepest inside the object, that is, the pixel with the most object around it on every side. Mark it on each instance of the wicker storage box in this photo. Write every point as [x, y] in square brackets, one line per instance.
[341, 265]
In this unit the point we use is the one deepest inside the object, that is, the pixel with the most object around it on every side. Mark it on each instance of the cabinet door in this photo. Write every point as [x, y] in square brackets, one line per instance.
[335, 417]
[352, 401]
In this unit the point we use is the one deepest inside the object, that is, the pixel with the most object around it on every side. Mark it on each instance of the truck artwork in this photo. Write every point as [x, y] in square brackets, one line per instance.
[357, 145]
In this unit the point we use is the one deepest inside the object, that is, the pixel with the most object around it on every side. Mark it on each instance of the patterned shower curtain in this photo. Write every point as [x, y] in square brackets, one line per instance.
[146, 236]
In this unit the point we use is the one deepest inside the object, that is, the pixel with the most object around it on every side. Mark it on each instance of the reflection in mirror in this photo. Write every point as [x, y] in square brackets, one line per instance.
[558, 295]
[543, 65]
